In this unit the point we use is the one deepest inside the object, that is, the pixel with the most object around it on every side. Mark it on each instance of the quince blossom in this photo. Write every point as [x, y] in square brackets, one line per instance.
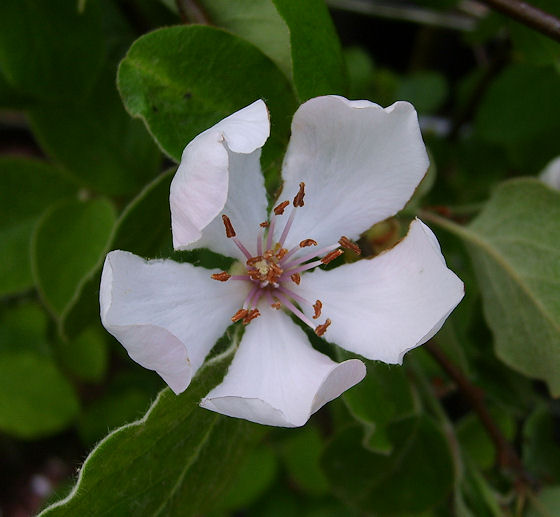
[349, 165]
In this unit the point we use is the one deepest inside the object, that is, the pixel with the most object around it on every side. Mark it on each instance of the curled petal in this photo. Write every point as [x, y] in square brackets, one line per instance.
[220, 172]
[277, 378]
[167, 315]
[383, 307]
[360, 164]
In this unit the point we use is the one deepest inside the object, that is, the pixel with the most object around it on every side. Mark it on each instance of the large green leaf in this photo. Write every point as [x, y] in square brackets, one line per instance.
[165, 81]
[35, 398]
[415, 477]
[27, 188]
[515, 247]
[48, 49]
[317, 61]
[68, 247]
[176, 461]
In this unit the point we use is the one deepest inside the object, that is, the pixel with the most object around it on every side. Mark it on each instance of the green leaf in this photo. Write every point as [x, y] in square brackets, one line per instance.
[164, 81]
[35, 58]
[256, 21]
[301, 453]
[426, 90]
[546, 504]
[27, 188]
[318, 64]
[382, 397]
[515, 245]
[177, 460]
[415, 477]
[67, 247]
[35, 398]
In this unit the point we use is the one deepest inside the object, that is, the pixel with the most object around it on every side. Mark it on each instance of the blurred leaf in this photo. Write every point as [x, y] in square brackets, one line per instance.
[317, 61]
[258, 22]
[67, 247]
[541, 448]
[255, 476]
[86, 356]
[301, 452]
[164, 81]
[35, 398]
[37, 60]
[514, 244]
[382, 397]
[474, 438]
[27, 188]
[414, 478]
[426, 90]
[177, 460]
[546, 504]
[361, 73]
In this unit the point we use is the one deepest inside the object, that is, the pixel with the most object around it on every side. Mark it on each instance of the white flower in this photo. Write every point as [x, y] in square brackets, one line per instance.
[551, 173]
[349, 165]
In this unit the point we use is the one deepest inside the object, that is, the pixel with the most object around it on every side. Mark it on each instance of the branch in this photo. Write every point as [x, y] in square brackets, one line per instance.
[529, 15]
[507, 457]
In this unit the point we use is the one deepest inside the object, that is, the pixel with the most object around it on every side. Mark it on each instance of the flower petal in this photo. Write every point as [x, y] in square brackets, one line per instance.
[167, 315]
[277, 378]
[383, 307]
[220, 173]
[360, 164]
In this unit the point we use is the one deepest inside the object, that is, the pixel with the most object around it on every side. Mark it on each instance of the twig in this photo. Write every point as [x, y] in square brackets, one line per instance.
[192, 12]
[507, 457]
[528, 15]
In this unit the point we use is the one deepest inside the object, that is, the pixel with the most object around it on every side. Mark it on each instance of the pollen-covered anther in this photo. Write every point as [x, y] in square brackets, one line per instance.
[279, 209]
[296, 278]
[307, 242]
[346, 243]
[230, 232]
[222, 277]
[321, 329]
[251, 315]
[317, 306]
[240, 314]
[280, 253]
[264, 224]
[276, 305]
[329, 257]
[298, 199]
[254, 260]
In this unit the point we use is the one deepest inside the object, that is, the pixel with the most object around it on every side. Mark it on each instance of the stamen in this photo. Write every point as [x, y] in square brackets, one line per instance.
[296, 278]
[291, 294]
[310, 255]
[321, 329]
[329, 257]
[317, 306]
[251, 315]
[243, 249]
[346, 243]
[270, 232]
[222, 277]
[281, 253]
[307, 242]
[276, 305]
[289, 305]
[279, 210]
[298, 200]
[230, 232]
[287, 227]
[241, 313]
[265, 224]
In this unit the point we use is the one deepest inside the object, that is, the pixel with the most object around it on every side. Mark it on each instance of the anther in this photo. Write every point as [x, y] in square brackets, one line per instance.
[298, 200]
[240, 314]
[307, 242]
[317, 306]
[230, 232]
[279, 210]
[280, 253]
[346, 243]
[253, 260]
[321, 329]
[296, 278]
[264, 224]
[276, 305]
[222, 277]
[251, 315]
[329, 257]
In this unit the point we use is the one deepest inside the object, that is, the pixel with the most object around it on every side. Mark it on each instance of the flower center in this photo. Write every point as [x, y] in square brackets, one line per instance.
[274, 269]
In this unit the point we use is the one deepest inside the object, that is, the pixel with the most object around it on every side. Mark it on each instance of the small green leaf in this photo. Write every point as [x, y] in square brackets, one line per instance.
[415, 477]
[318, 64]
[546, 504]
[256, 21]
[176, 461]
[515, 247]
[164, 81]
[426, 90]
[67, 247]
